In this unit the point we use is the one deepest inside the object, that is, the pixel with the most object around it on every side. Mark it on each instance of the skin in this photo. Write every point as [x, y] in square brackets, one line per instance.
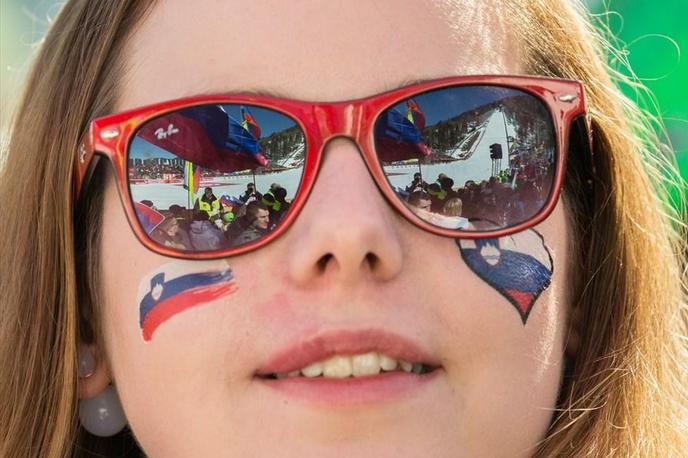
[262, 219]
[171, 289]
[190, 391]
[518, 266]
[172, 229]
[424, 205]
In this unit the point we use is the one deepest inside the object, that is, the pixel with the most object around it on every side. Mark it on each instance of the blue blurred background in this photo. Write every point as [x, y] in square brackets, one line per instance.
[652, 34]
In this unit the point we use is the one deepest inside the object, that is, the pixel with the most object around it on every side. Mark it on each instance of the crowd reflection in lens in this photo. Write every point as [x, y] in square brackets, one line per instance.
[475, 153]
[188, 169]
[215, 222]
[495, 199]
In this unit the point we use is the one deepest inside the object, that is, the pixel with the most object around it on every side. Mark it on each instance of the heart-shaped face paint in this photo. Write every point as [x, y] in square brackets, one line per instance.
[519, 266]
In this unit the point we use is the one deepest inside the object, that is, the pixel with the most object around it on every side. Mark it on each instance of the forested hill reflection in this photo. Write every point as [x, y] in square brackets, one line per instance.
[285, 147]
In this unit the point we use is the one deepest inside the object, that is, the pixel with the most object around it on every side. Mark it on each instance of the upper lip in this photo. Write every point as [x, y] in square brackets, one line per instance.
[318, 347]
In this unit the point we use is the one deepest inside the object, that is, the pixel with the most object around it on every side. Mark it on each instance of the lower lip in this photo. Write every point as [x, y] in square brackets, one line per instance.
[384, 387]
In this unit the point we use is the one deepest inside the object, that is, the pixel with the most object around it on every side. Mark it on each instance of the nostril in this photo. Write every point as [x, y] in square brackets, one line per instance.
[372, 260]
[323, 261]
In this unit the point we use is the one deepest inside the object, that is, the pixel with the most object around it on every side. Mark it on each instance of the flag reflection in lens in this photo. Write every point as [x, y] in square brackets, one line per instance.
[211, 177]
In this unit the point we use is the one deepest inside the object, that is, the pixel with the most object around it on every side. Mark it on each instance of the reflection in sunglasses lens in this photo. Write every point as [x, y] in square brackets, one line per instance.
[211, 177]
[460, 155]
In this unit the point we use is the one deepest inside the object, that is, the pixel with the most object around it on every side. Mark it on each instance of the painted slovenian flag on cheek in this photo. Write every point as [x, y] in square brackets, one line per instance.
[519, 267]
[173, 290]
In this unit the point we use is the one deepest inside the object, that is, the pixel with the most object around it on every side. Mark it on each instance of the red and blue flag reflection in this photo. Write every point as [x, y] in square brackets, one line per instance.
[149, 217]
[399, 136]
[209, 137]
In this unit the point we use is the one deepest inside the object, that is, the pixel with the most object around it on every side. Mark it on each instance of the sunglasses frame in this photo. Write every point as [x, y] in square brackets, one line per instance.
[111, 135]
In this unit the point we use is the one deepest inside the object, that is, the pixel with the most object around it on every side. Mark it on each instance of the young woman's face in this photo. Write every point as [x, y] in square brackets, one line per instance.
[350, 276]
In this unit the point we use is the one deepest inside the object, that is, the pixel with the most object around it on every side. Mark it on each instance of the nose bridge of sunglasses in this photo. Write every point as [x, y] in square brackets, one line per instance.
[338, 119]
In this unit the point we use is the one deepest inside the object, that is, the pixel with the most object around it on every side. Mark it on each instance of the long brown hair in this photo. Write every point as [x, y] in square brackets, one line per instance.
[626, 393]
[74, 78]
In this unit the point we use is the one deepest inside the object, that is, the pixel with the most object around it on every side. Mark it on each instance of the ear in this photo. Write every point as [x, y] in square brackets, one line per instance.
[573, 338]
[94, 375]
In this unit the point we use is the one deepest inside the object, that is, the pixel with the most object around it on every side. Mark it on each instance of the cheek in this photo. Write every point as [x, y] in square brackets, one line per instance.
[501, 319]
[142, 291]
[160, 323]
[177, 287]
[518, 267]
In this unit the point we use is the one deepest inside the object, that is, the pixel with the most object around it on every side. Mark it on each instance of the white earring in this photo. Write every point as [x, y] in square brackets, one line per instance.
[102, 415]
[87, 362]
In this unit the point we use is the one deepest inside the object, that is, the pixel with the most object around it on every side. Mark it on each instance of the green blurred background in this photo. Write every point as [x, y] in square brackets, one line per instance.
[653, 33]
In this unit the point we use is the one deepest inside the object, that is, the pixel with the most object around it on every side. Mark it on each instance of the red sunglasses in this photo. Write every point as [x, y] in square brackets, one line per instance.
[213, 176]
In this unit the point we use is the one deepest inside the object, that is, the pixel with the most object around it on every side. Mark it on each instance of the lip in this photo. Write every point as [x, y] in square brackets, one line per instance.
[385, 386]
[353, 391]
[321, 346]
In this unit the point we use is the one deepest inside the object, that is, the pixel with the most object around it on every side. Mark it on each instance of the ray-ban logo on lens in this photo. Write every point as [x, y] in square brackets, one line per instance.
[162, 133]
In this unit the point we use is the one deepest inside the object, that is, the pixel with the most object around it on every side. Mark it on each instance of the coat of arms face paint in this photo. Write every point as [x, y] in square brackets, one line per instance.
[519, 266]
[179, 286]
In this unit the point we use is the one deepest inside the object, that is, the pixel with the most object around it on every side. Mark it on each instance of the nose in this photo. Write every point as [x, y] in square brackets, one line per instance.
[346, 232]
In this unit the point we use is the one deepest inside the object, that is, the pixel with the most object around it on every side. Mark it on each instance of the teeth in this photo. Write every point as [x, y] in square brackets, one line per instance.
[338, 366]
[405, 366]
[281, 375]
[313, 370]
[367, 364]
[387, 363]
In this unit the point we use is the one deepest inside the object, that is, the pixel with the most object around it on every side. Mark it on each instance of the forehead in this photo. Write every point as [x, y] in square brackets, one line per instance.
[320, 51]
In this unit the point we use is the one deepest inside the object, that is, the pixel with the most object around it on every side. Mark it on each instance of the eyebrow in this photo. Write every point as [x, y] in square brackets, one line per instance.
[249, 91]
[265, 92]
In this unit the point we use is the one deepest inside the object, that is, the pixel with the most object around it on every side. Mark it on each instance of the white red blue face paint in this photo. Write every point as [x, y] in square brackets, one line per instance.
[519, 266]
[175, 288]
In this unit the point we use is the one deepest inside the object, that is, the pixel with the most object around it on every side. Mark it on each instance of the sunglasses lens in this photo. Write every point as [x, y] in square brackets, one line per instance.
[211, 177]
[460, 155]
